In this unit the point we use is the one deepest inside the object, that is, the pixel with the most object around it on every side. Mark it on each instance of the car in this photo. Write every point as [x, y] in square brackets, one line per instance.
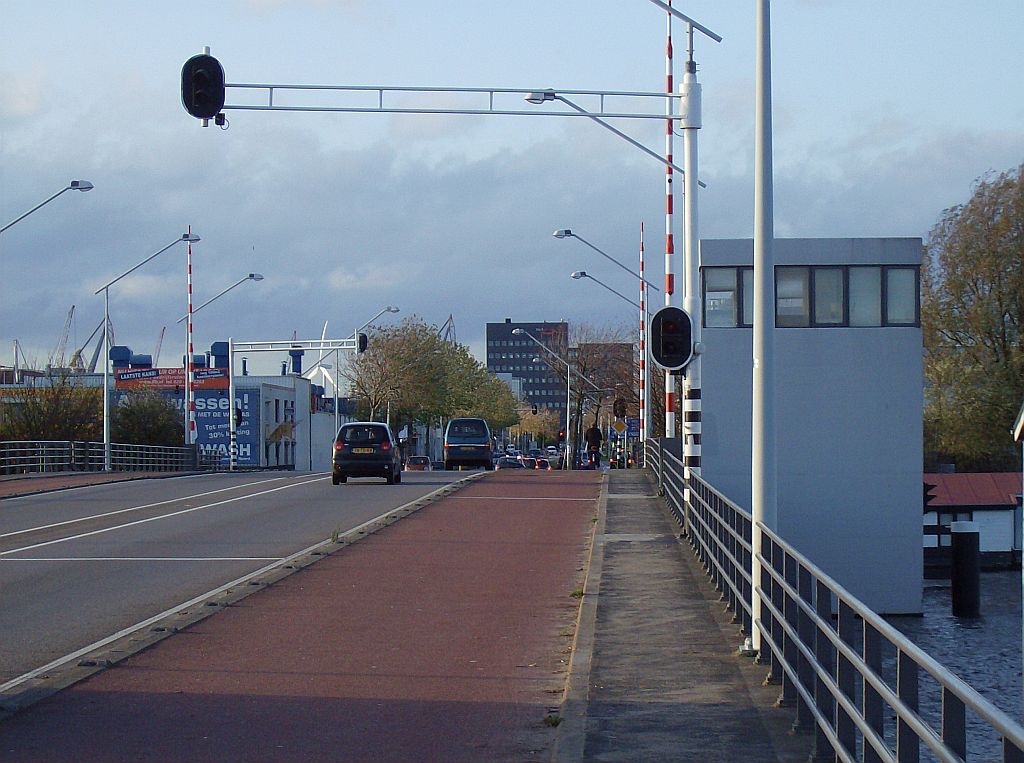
[535, 453]
[544, 465]
[437, 466]
[467, 442]
[366, 449]
[507, 462]
[529, 462]
[417, 464]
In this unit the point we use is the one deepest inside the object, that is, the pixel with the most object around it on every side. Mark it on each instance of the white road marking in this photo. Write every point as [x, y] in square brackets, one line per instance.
[133, 508]
[162, 516]
[142, 559]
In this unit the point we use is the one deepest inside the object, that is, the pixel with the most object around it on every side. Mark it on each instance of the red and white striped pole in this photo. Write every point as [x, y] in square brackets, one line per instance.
[670, 395]
[643, 343]
[190, 402]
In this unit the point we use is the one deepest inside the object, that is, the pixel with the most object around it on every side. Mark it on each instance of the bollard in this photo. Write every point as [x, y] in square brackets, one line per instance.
[965, 572]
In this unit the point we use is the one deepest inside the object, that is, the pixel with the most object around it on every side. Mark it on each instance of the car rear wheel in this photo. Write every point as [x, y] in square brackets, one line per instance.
[398, 478]
[337, 479]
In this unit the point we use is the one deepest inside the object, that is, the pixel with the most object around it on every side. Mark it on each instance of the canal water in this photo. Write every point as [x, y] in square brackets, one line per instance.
[984, 652]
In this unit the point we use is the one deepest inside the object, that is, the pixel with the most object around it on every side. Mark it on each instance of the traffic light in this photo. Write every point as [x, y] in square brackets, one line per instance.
[361, 343]
[202, 86]
[619, 408]
[929, 496]
[561, 435]
[534, 409]
[671, 338]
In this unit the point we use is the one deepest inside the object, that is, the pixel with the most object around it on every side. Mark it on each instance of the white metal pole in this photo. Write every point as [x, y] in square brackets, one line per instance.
[569, 455]
[232, 393]
[190, 403]
[334, 383]
[106, 380]
[670, 396]
[691, 123]
[764, 498]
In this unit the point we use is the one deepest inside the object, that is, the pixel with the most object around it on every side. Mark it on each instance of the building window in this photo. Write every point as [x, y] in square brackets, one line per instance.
[829, 297]
[901, 291]
[792, 296]
[720, 297]
[865, 296]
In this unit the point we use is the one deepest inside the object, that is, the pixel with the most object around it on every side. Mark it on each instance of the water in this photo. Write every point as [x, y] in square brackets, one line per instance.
[984, 652]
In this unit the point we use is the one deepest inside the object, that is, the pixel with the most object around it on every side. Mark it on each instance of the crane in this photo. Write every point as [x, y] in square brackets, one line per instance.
[159, 344]
[57, 358]
[76, 361]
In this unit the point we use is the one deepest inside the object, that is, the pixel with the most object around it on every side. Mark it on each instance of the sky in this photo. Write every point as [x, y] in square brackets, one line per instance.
[885, 114]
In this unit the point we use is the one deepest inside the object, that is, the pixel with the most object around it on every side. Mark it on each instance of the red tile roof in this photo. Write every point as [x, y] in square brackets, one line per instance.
[985, 489]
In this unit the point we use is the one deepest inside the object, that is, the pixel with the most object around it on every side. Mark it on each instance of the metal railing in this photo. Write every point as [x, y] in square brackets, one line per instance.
[867, 692]
[42, 456]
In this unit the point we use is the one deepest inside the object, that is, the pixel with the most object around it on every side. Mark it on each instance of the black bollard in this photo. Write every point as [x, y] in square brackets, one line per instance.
[965, 573]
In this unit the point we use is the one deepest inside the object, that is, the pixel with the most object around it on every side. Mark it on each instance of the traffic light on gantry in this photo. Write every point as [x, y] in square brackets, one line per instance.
[362, 342]
[671, 338]
[202, 86]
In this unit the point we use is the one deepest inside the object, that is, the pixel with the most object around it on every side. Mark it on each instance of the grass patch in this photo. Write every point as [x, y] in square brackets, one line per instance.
[577, 594]
[552, 719]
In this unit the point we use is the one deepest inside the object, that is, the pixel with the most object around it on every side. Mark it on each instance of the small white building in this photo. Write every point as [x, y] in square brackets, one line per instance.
[849, 391]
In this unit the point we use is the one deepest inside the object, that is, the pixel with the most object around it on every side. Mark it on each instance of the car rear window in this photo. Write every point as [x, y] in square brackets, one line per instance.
[468, 429]
[363, 434]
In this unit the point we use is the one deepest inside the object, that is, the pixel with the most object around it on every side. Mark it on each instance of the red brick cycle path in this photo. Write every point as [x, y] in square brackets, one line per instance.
[444, 636]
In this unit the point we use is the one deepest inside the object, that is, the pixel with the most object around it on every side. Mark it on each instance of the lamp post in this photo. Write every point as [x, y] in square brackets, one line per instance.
[105, 288]
[645, 414]
[239, 282]
[74, 185]
[583, 274]
[568, 391]
[355, 336]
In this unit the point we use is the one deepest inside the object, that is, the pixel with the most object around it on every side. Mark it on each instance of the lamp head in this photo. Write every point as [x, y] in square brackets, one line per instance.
[190, 237]
[81, 185]
[579, 274]
[391, 309]
[518, 332]
[564, 233]
[255, 276]
[540, 96]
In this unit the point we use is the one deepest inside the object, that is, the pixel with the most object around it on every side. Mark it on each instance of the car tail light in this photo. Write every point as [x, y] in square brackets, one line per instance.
[385, 445]
[338, 446]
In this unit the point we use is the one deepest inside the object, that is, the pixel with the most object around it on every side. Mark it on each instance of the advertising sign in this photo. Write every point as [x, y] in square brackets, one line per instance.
[213, 433]
[169, 378]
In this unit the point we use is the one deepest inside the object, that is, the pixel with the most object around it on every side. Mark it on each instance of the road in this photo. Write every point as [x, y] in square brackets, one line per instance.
[77, 566]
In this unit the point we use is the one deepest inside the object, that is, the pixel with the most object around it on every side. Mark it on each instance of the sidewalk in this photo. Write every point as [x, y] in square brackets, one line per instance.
[656, 674]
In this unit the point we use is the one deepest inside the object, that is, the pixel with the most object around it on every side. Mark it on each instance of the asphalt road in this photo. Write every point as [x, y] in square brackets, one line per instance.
[79, 565]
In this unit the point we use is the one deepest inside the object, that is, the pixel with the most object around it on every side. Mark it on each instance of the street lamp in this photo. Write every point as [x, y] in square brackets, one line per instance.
[239, 282]
[74, 185]
[583, 274]
[105, 288]
[644, 301]
[568, 391]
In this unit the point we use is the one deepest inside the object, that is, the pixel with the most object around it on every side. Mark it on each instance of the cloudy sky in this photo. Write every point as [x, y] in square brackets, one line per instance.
[885, 113]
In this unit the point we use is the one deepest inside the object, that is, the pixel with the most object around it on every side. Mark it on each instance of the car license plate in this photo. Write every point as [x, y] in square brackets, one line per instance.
[362, 450]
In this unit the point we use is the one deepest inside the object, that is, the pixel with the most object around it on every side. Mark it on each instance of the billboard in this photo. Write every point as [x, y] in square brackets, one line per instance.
[169, 378]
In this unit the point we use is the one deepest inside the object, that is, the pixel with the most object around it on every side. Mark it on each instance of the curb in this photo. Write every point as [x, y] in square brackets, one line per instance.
[571, 733]
[66, 671]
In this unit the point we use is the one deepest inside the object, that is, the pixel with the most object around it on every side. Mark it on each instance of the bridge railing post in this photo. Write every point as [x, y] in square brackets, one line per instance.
[874, 708]
[790, 651]
[805, 632]
[825, 654]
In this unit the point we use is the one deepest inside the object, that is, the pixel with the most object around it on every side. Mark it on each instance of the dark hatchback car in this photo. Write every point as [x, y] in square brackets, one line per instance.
[366, 449]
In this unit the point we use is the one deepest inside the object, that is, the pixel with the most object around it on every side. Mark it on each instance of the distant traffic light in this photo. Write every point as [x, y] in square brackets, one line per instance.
[619, 408]
[202, 86]
[362, 342]
[671, 338]
[561, 435]
[534, 409]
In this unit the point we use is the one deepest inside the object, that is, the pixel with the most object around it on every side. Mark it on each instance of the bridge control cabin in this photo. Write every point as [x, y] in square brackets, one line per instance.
[849, 387]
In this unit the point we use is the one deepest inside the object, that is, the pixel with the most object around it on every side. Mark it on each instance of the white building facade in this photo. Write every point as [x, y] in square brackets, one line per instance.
[849, 390]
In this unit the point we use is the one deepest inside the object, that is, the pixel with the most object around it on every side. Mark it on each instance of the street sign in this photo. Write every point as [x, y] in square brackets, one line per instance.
[633, 427]
[619, 426]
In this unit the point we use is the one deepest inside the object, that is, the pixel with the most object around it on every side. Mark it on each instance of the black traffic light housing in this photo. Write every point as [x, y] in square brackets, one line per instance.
[362, 342]
[202, 86]
[671, 338]
[534, 409]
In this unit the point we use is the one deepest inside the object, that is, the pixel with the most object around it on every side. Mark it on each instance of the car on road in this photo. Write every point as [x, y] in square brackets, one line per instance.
[366, 449]
[529, 462]
[507, 462]
[543, 465]
[467, 442]
[417, 464]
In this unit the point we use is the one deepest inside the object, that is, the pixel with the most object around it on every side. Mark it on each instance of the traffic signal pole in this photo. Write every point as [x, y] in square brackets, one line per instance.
[690, 123]
[670, 381]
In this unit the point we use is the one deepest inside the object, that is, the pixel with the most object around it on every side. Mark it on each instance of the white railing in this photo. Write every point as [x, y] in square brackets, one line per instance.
[867, 691]
[43, 456]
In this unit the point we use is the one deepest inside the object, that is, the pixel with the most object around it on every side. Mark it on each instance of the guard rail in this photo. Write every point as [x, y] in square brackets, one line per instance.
[24, 457]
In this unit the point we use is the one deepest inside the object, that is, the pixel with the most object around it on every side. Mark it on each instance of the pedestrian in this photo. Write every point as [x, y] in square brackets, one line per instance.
[593, 438]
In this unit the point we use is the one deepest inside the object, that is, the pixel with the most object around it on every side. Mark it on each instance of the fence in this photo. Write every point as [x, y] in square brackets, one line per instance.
[24, 457]
[866, 691]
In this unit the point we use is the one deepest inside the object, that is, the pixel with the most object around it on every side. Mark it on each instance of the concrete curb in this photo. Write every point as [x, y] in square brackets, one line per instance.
[571, 734]
[70, 669]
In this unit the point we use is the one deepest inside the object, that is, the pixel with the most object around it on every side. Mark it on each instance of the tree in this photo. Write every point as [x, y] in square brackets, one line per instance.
[56, 407]
[972, 307]
[145, 417]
